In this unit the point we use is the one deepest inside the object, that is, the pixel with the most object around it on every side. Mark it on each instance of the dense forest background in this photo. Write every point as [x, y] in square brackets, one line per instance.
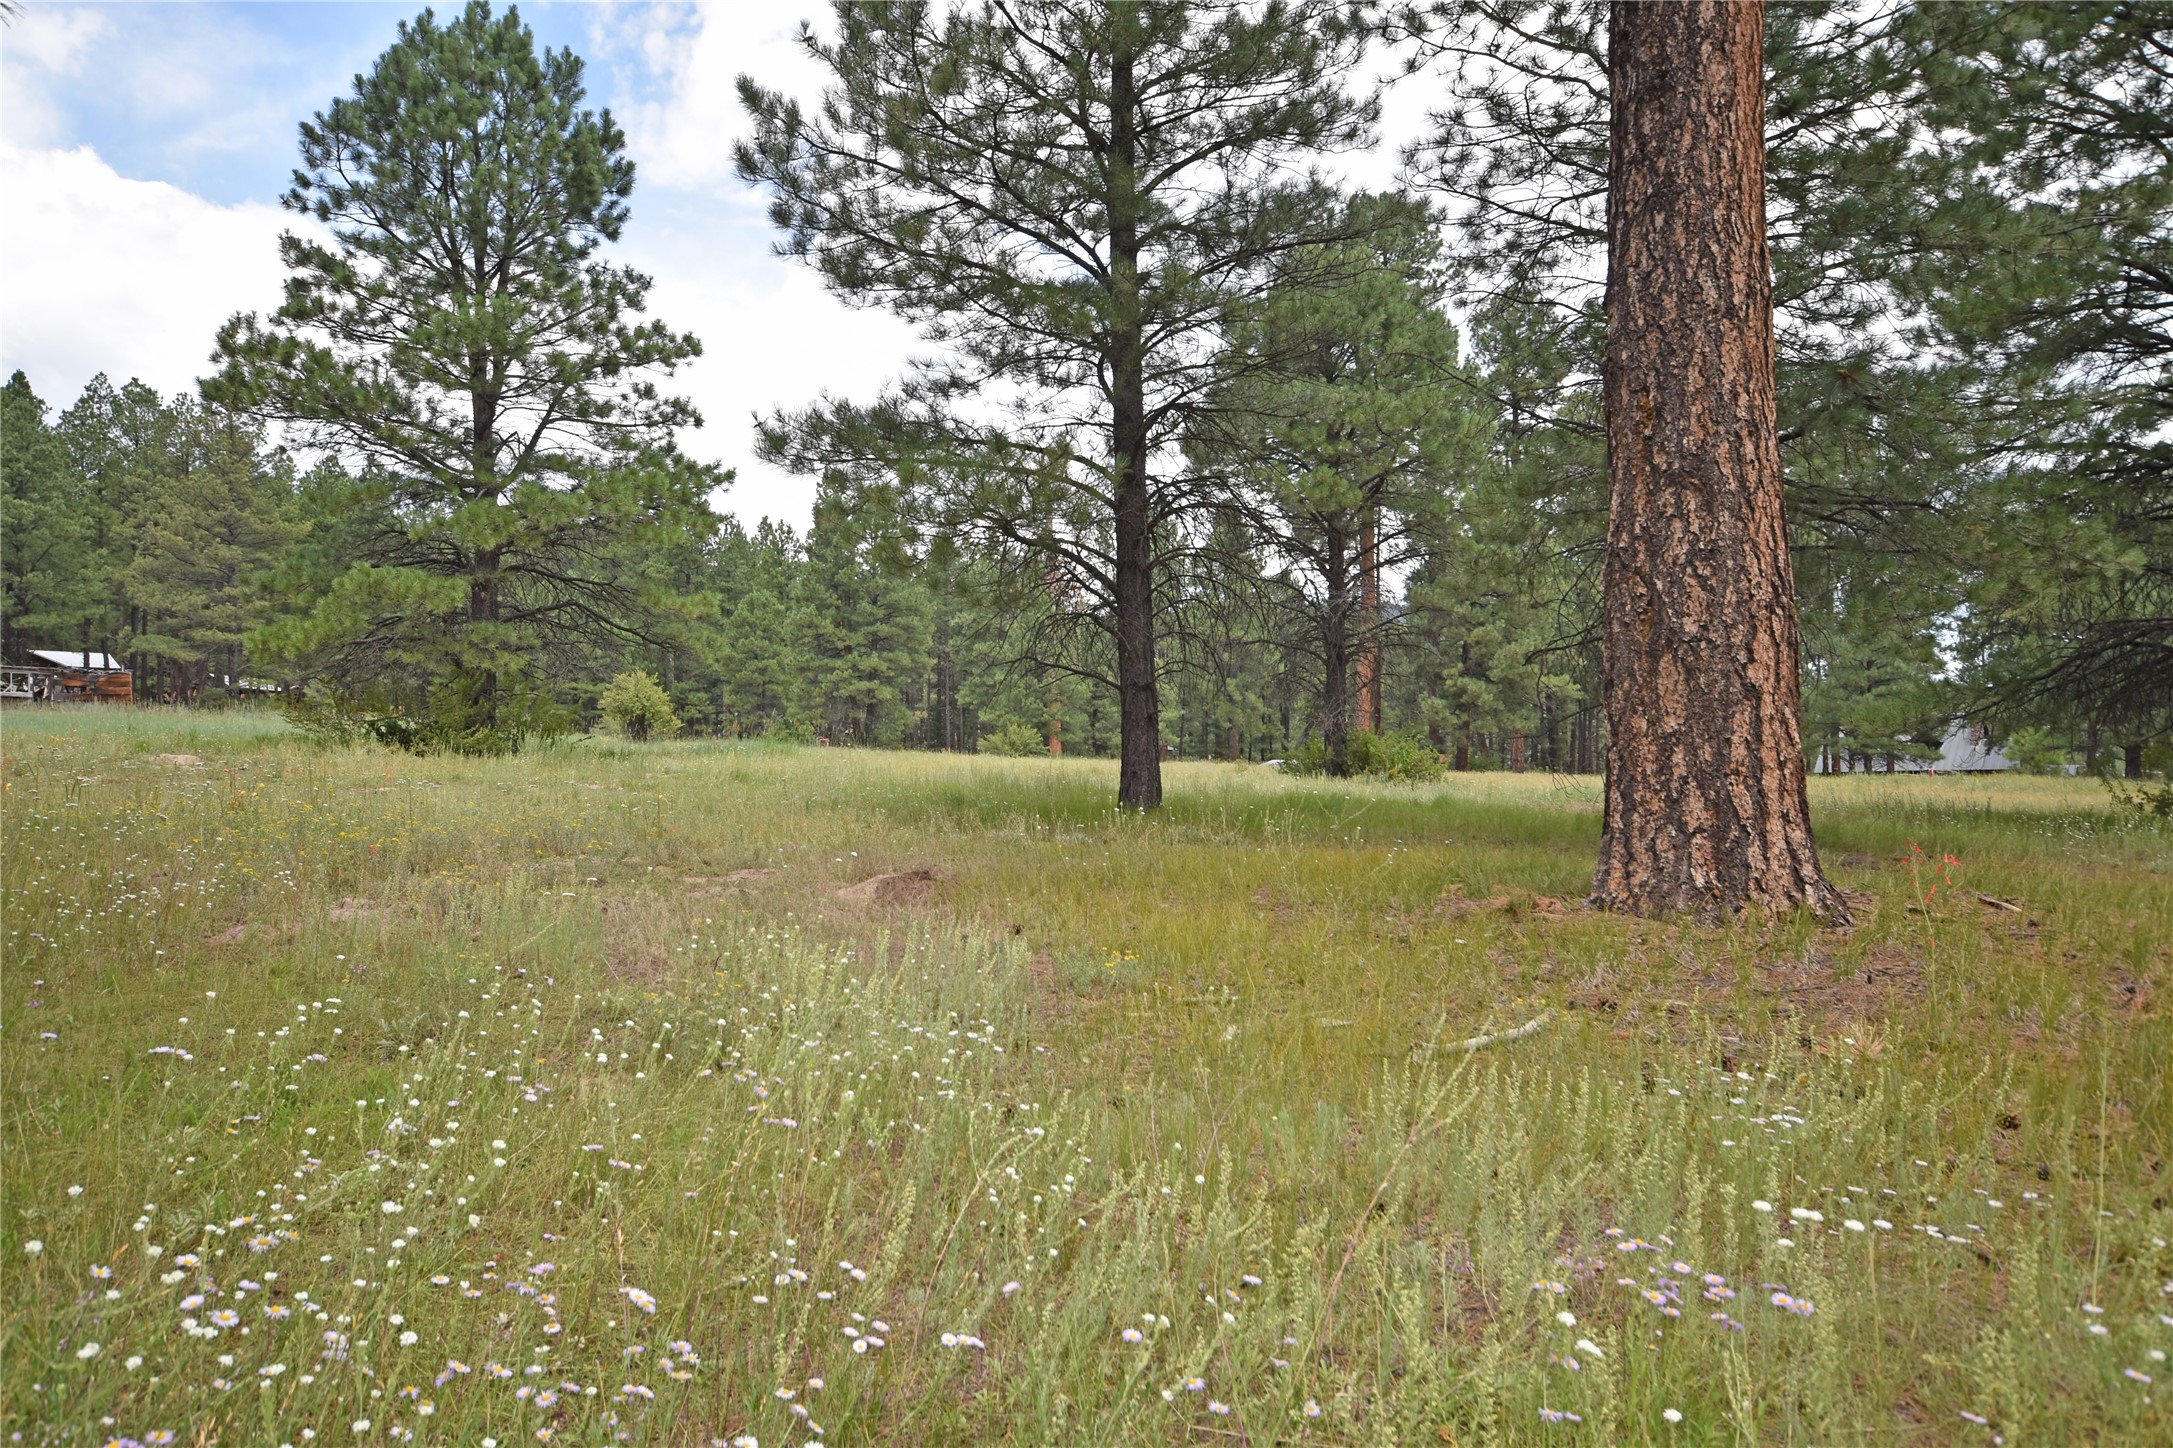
[1391, 472]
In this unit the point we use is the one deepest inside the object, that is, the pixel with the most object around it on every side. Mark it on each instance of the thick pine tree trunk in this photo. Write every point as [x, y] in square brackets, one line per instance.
[1705, 778]
[1139, 706]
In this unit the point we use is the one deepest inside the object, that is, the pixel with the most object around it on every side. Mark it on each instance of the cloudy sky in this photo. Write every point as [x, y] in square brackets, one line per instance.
[143, 149]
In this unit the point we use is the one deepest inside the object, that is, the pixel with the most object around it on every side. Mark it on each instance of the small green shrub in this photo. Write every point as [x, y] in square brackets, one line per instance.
[1395, 756]
[634, 704]
[1017, 738]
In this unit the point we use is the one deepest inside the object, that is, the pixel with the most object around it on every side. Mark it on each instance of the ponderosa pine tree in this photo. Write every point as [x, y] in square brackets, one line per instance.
[457, 332]
[1064, 194]
[1339, 436]
[1706, 808]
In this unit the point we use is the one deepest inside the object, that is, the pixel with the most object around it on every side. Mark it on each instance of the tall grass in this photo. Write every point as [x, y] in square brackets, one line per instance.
[475, 1100]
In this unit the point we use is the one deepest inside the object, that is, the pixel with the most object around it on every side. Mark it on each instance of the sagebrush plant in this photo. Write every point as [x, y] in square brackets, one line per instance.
[361, 1097]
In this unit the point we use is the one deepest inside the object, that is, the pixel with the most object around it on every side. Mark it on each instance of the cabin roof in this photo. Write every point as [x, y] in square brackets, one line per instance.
[73, 659]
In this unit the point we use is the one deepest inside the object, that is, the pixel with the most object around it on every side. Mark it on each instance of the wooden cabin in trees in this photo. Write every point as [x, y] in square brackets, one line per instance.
[66, 676]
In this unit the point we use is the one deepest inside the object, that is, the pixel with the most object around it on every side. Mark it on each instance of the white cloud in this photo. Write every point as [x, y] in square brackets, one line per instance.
[130, 278]
[57, 38]
[182, 81]
[39, 47]
[771, 336]
[690, 59]
[103, 273]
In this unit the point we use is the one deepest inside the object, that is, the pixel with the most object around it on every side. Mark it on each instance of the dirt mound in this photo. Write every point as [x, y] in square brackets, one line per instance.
[232, 935]
[179, 761]
[902, 887]
[350, 907]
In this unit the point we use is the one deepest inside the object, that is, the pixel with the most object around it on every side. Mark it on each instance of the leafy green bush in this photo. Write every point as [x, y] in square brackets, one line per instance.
[1016, 738]
[1375, 756]
[1395, 756]
[634, 704]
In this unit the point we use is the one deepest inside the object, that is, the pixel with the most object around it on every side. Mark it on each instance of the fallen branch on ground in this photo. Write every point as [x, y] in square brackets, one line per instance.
[1480, 1043]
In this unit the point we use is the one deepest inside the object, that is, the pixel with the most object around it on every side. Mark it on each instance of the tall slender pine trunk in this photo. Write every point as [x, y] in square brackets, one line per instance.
[481, 681]
[1368, 720]
[1139, 708]
[1706, 810]
[1335, 653]
[1139, 711]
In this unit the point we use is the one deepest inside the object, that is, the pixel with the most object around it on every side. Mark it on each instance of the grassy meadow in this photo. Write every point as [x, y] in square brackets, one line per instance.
[714, 1093]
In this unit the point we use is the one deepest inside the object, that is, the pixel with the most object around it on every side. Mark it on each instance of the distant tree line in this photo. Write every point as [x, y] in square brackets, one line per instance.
[1210, 456]
[179, 539]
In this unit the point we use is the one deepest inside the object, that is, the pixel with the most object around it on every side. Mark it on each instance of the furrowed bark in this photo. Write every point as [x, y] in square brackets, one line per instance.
[1139, 711]
[1706, 810]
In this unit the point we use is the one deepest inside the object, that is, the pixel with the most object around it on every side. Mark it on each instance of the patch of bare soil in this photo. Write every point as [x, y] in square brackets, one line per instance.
[2131, 992]
[638, 961]
[1054, 998]
[350, 907]
[1887, 976]
[179, 761]
[899, 887]
[233, 934]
